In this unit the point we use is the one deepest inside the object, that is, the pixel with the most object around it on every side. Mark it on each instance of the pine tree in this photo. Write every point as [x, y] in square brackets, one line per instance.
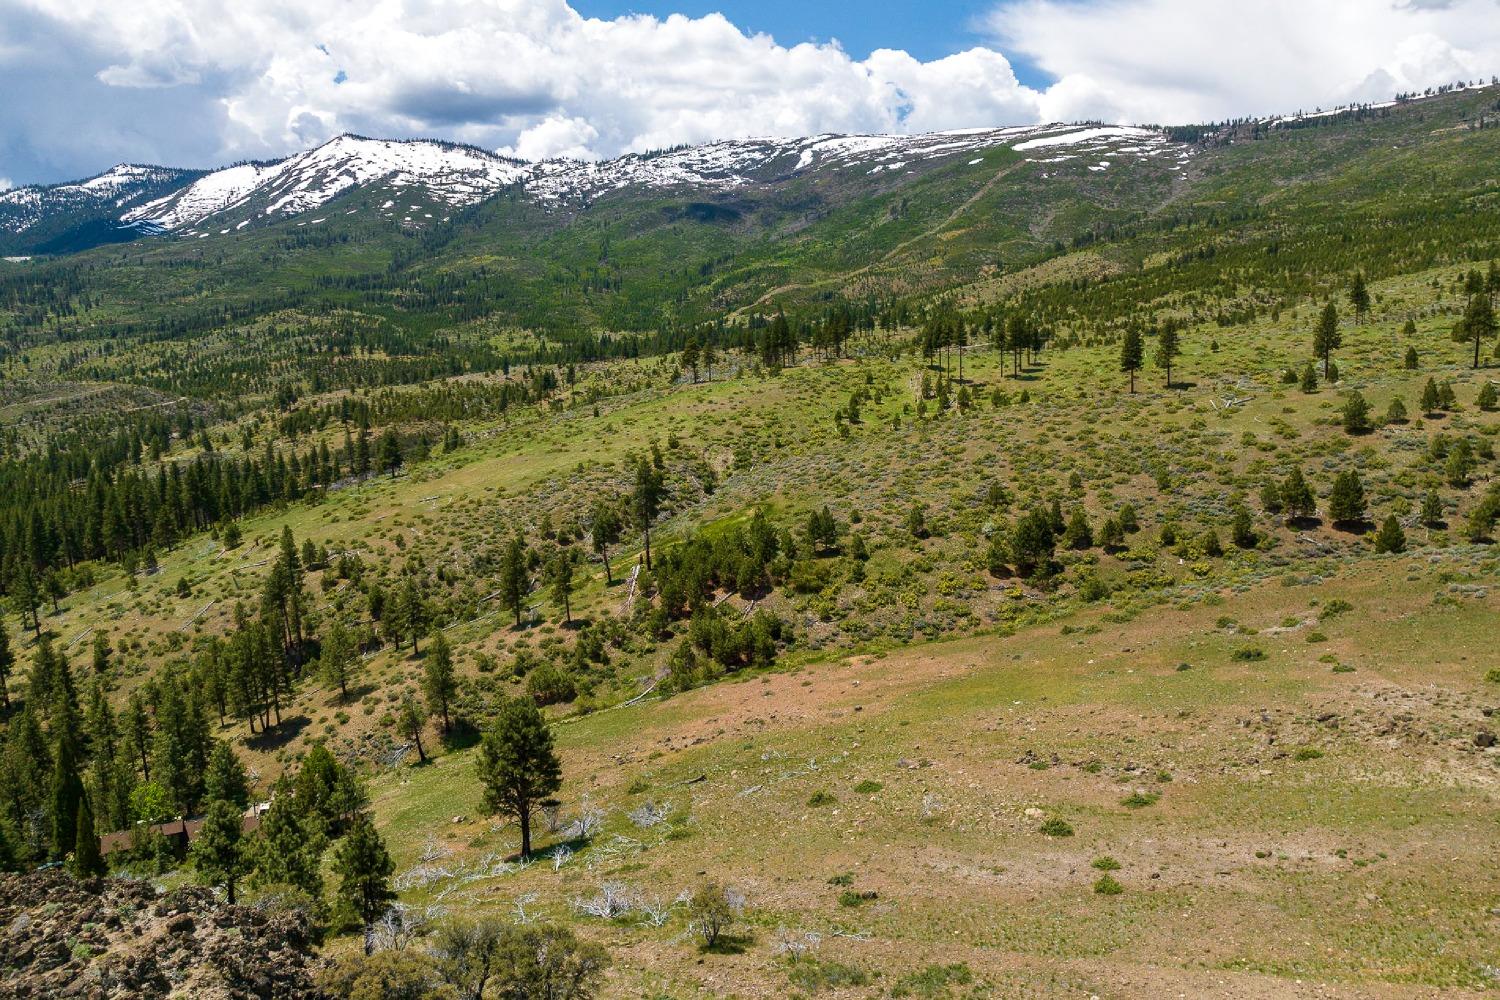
[1131, 354]
[389, 451]
[102, 733]
[10, 848]
[1356, 414]
[1327, 338]
[1309, 380]
[180, 745]
[121, 786]
[1479, 322]
[219, 853]
[1033, 542]
[7, 662]
[1167, 348]
[709, 357]
[1270, 497]
[327, 791]
[289, 845]
[1346, 503]
[1390, 537]
[338, 660]
[1112, 535]
[410, 722]
[1460, 464]
[690, 356]
[1431, 399]
[411, 612]
[562, 583]
[517, 764]
[364, 869]
[136, 726]
[362, 452]
[1411, 361]
[87, 861]
[646, 501]
[604, 531]
[1359, 297]
[439, 684]
[515, 578]
[1487, 400]
[100, 654]
[25, 596]
[1078, 535]
[27, 767]
[67, 763]
[1242, 531]
[289, 589]
[1297, 497]
[226, 779]
[1432, 509]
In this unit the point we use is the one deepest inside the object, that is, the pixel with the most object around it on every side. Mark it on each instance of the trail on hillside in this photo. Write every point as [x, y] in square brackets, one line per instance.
[899, 248]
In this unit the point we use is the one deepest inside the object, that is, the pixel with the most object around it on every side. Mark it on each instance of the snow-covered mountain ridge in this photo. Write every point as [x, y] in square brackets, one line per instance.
[436, 174]
[118, 188]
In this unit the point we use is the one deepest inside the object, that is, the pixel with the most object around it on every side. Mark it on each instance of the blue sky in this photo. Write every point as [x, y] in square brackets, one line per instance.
[928, 30]
[85, 84]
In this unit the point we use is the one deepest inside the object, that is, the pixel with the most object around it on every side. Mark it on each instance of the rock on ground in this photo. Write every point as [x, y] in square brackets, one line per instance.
[113, 938]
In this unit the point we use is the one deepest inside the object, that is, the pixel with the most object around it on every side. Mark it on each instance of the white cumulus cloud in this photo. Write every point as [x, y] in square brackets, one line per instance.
[87, 83]
[212, 80]
[1169, 61]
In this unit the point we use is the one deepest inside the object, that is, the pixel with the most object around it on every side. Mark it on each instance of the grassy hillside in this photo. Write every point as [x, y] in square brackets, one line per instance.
[1224, 750]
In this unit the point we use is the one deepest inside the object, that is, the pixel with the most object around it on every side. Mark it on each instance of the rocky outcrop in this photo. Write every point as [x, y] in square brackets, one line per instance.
[110, 938]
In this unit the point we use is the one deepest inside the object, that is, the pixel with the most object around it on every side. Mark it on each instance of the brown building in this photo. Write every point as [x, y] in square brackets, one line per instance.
[180, 832]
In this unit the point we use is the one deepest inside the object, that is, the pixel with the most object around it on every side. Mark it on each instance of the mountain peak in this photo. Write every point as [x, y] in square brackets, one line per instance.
[433, 175]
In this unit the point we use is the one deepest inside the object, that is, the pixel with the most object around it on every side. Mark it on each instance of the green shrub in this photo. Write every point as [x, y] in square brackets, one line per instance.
[1108, 885]
[1057, 827]
[933, 981]
[549, 684]
[1106, 864]
[808, 972]
[1334, 608]
[1139, 800]
[820, 799]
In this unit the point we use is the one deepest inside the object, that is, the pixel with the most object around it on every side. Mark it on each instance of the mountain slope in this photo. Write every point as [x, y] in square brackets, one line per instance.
[644, 246]
[62, 218]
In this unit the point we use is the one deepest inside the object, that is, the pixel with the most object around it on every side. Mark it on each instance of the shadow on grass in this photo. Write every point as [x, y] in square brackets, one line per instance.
[279, 736]
[356, 692]
[729, 944]
[463, 735]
